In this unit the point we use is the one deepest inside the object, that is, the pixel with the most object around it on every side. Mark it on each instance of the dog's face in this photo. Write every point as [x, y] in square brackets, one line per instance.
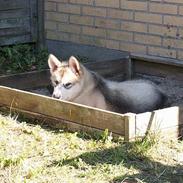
[66, 78]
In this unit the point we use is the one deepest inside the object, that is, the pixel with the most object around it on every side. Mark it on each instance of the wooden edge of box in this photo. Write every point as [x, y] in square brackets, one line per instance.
[130, 132]
[26, 80]
[62, 110]
[156, 59]
[167, 120]
[54, 123]
[34, 79]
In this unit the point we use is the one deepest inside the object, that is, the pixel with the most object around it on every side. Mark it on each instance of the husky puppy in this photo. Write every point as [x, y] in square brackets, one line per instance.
[73, 82]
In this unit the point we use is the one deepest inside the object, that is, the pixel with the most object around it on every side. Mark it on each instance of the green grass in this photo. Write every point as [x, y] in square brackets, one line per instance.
[22, 58]
[31, 153]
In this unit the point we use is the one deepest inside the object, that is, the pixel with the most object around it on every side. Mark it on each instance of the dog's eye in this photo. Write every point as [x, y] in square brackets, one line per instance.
[56, 82]
[67, 85]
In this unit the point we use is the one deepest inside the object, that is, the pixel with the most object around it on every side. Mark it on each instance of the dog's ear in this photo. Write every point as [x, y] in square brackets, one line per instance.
[74, 65]
[53, 63]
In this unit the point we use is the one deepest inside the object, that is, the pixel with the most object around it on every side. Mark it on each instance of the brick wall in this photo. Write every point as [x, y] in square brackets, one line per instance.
[150, 27]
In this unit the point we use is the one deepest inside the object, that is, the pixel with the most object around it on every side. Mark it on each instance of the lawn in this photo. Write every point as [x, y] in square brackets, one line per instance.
[37, 154]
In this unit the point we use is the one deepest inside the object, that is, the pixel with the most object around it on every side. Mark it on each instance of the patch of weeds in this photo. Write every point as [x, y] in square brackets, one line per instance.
[22, 57]
[35, 132]
[141, 147]
[33, 172]
[9, 161]
[102, 136]
[106, 136]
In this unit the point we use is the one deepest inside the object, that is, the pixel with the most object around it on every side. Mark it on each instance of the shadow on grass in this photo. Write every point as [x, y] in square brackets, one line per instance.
[150, 171]
[122, 155]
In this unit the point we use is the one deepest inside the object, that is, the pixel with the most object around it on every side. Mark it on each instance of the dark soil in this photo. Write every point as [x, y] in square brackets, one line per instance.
[172, 87]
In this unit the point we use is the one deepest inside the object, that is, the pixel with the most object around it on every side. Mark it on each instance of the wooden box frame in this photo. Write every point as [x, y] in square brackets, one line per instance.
[57, 113]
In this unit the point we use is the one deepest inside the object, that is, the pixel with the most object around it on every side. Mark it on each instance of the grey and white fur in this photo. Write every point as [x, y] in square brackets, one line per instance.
[135, 96]
[73, 82]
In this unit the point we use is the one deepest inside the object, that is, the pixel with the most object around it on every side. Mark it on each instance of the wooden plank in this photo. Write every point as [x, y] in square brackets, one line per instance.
[13, 4]
[15, 39]
[42, 78]
[80, 114]
[26, 80]
[157, 66]
[18, 21]
[181, 115]
[181, 121]
[14, 31]
[15, 22]
[157, 121]
[158, 60]
[17, 13]
[40, 23]
[54, 122]
[130, 131]
[155, 69]
[34, 20]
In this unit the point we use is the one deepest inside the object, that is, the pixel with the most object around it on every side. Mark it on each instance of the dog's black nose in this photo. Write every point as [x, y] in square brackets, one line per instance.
[55, 96]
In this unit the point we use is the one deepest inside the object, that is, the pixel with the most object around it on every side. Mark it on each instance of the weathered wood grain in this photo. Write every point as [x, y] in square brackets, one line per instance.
[54, 123]
[34, 20]
[26, 80]
[17, 13]
[157, 60]
[155, 66]
[40, 25]
[15, 39]
[109, 69]
[13, 4]
[130, 128]
[159, 70]
[14, 22]
[158, 121]
[14, 31]
[80, 114]
[21, 21]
